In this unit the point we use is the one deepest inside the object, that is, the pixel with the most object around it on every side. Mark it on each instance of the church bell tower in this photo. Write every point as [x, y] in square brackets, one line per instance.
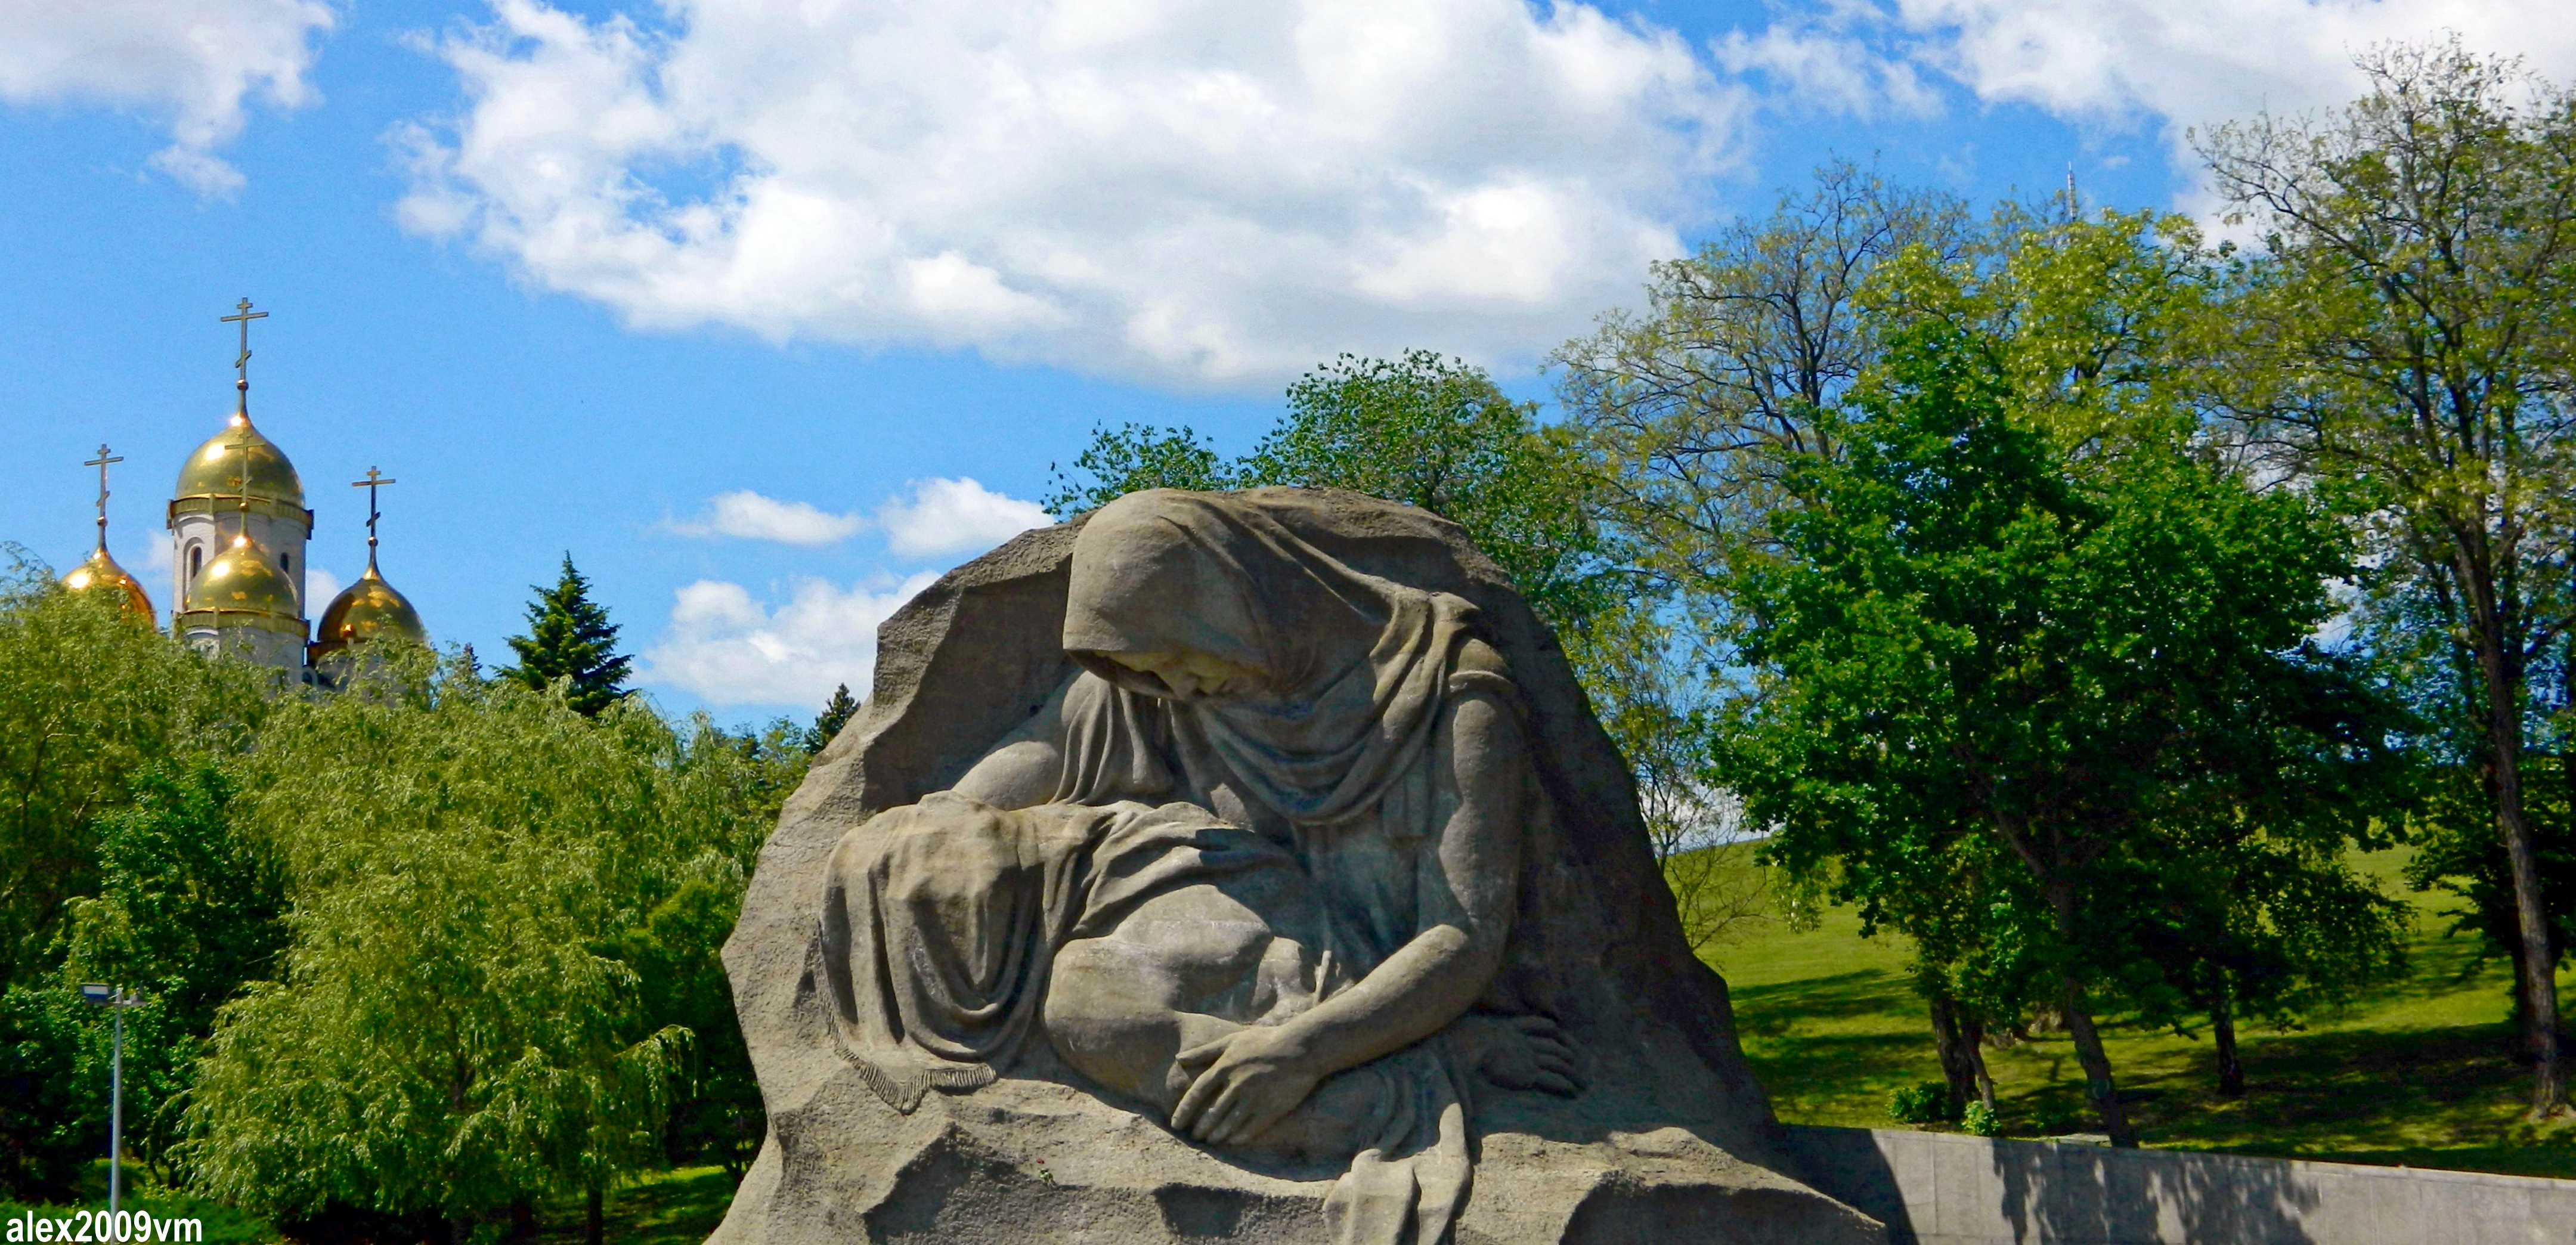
[238, 528]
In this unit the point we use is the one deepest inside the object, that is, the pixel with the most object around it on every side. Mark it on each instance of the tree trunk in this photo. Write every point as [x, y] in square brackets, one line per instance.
[1975, 1031]
[594, 1215]
[2537, 964]
[523, 1219]
[2222, 1029]
[1954, 1039]
[2098, 1085]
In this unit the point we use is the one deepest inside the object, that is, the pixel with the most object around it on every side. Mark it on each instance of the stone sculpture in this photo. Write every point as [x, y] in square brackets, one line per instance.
[1240, 866]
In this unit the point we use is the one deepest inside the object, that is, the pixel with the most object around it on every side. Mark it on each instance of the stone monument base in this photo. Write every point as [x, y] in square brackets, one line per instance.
[1021, 1162]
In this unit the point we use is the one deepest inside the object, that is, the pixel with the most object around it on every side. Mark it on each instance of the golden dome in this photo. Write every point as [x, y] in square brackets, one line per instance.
[101, 571]
[366, 610]
[244, 580]
[215, 469]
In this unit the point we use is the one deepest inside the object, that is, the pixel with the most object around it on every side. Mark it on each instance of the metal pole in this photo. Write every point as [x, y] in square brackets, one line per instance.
[116, 1105]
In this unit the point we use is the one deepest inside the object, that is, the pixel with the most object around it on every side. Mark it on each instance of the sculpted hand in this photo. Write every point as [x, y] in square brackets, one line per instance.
[1251, 1078]
[1521, 1052]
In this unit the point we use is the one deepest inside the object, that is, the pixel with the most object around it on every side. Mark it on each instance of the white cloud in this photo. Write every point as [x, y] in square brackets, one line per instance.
[1824, 61]
[747, 515]
[2172, 65]
[729, 649]
[1188, 191]
[954, 516]
[319, 587]
[190, 64]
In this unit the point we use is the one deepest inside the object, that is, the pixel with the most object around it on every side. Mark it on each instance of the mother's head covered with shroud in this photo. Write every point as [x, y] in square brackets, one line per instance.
[1314, 684]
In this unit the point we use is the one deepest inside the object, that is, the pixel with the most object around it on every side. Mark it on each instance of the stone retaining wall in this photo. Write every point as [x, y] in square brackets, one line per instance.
[1943, 1189]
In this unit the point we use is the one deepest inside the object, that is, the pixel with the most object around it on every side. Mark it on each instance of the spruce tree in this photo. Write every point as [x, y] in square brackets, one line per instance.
[569, 636]
[835, 715]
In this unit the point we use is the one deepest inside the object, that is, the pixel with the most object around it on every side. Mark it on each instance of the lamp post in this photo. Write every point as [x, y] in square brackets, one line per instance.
[100, 994]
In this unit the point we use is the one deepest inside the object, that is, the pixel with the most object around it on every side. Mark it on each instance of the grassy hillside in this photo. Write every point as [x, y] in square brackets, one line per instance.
[2420, 1073]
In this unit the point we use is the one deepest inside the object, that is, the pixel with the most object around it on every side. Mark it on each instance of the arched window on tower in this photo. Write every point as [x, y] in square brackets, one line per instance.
[196, 561]
[286, 564]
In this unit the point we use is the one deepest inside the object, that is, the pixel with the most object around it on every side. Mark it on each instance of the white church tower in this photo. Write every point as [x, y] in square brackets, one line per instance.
[238, 529]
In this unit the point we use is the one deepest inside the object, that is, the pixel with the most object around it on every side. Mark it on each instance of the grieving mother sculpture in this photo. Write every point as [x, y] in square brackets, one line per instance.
[1298, 901]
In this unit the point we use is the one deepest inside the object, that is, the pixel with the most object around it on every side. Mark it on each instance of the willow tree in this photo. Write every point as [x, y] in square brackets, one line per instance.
[90, 696]
[2410, 343]
[480, 878]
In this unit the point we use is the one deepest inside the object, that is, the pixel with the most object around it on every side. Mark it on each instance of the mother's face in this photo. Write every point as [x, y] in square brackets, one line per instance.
[1195, 676]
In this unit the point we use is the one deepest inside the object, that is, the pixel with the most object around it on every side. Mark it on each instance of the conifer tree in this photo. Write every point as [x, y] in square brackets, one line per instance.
[570, 637]
[835, 715]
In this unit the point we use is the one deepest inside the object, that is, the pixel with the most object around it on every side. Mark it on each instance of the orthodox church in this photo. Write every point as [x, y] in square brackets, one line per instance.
[238, 530]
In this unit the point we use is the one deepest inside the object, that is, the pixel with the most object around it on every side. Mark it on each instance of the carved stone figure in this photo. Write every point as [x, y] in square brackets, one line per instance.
[1245, 866]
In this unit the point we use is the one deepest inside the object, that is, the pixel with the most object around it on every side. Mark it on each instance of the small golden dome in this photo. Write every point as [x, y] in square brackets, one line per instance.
[366, 610]
[244, 579]
[101, 571]
[215, 469]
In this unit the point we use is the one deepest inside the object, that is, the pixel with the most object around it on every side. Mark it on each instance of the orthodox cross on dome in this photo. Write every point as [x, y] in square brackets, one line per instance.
[375, 480]
[101, 462]
[241, 366]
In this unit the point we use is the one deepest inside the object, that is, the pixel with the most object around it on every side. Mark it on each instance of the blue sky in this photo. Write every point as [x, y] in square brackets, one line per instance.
[730, 299]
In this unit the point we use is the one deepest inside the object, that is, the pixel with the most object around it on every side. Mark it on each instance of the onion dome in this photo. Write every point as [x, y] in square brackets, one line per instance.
[366, 610]
[216, 469]
[102, 572]
[244, 580]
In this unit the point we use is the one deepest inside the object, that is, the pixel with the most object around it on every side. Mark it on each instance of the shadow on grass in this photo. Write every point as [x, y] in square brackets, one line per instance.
[2443, 1098]
[662, 1208]
[1770, 1010]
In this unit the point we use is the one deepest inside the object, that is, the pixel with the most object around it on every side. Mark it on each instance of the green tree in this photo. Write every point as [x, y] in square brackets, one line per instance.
[735, 786]
[570, 638]
[481, 877]
[1685, 415]
[1438, 433]
[1131, 458]
[190, 910]
[89, 696]
[835, 715]
[2409, 344]
[1693, 406]
[2270, 929]
[1424, 430]
[1432, 432]
[2021, 645]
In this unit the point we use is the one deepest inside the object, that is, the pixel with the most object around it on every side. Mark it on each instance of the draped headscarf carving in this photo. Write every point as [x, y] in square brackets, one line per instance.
[1357, 667]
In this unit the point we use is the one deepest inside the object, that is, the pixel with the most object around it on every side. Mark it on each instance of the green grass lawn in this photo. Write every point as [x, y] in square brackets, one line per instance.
[661, 1208]
[2420, 1072]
